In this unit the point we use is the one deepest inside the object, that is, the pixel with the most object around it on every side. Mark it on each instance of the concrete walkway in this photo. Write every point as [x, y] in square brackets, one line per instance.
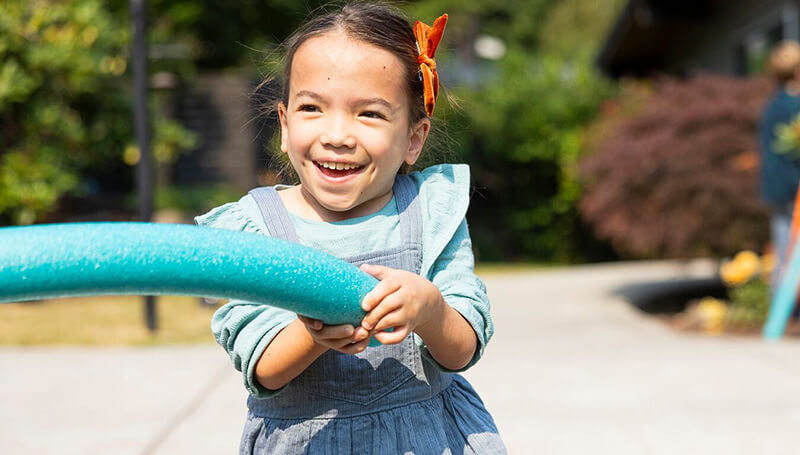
[573, 369]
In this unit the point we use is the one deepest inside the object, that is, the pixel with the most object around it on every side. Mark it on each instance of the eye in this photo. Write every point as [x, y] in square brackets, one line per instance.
[308, 108]
[373, 114]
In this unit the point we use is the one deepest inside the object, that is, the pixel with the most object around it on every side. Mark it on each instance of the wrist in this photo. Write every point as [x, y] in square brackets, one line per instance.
[433, 323]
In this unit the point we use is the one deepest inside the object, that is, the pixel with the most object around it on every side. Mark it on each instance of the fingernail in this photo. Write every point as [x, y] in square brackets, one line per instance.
[366, 325]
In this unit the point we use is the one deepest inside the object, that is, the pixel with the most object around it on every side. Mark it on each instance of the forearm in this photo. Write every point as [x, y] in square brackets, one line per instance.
[450, 339]
[288, 354]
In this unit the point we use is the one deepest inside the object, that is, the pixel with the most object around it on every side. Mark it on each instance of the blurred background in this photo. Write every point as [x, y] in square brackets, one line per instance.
[614, 152]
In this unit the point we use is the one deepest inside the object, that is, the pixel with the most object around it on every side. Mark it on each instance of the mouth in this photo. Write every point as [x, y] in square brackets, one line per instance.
[338, 170]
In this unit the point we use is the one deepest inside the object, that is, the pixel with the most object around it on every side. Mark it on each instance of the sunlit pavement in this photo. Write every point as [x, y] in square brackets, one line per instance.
[572, 369]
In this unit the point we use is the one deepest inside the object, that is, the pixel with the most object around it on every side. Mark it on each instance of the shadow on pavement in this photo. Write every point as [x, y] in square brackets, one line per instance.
[670, 296]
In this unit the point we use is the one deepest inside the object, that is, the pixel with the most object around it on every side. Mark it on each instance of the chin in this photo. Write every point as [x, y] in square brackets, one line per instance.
[339, 206]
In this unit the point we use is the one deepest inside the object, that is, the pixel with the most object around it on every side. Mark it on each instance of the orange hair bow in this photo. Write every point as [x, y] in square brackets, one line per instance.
[428, 39]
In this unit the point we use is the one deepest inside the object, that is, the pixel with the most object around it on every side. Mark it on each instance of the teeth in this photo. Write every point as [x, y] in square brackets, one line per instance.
[338, 166]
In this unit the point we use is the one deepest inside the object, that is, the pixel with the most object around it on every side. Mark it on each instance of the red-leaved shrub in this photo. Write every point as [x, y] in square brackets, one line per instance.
[672, 171]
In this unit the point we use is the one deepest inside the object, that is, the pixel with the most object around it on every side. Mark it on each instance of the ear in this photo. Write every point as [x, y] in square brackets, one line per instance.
[418, 135]
[284, 127]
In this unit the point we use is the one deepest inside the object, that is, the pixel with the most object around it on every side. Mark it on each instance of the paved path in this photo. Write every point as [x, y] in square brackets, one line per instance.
[573, 369]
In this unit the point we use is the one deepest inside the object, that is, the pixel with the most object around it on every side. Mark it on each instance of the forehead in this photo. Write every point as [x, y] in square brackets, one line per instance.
[336, 64]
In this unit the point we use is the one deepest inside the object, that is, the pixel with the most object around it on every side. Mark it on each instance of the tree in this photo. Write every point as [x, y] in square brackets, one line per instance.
[65, 107]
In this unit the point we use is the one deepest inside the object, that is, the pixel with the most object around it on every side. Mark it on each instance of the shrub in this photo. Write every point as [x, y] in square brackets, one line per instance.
[672, 171]
[524, 141]
[65, 105]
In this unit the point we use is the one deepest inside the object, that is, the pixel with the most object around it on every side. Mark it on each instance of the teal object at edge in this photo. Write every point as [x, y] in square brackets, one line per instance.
[83, 259]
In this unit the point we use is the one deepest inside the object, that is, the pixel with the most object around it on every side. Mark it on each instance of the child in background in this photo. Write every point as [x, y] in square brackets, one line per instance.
[780, 172]
[358, 92]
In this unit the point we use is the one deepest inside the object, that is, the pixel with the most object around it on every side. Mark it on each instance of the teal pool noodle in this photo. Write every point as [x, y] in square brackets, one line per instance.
[785, 297]
[84, 259]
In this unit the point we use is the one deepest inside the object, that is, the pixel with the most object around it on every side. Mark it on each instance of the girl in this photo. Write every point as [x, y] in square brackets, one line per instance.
[358, 93]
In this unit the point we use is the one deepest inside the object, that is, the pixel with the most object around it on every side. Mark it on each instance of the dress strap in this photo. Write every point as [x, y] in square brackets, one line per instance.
[408, 207]
[274, 213]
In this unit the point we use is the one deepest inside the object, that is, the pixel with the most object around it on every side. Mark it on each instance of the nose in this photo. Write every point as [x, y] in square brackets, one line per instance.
[338, 133]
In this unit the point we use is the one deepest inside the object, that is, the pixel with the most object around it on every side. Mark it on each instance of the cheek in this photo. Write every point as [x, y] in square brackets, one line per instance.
[300, 137]
[383, 143]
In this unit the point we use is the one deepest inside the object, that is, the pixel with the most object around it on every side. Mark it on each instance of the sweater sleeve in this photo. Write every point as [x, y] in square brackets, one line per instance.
[244, 329]
[453, 273]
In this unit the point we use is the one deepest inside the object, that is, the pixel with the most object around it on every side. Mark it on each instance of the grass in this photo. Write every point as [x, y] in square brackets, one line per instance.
[108, 320]
[495, 268]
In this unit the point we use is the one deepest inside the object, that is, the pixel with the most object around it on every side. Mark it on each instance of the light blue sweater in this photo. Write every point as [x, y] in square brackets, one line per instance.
[245, 329]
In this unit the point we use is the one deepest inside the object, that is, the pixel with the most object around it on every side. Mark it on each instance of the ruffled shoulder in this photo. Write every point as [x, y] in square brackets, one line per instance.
[444, 192]
[232, 216]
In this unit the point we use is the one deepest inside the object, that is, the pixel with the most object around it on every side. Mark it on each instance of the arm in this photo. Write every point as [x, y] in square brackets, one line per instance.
[453, 274]
[286, 356]
[244, 329]
[450, 339]
[299, 344]
[271, 346]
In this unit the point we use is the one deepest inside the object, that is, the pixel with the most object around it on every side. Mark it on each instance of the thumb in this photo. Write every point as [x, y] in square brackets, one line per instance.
[378, 271]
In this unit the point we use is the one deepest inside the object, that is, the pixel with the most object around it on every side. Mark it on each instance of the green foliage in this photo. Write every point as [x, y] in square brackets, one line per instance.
[517, 22]
[65, 110]
[577, 27]
[195, 199]
[30, 186]
[527, 137]
[749, 304]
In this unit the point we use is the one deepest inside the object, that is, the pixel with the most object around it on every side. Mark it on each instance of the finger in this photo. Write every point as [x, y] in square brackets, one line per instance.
[360, 334]
[378, 271]
[395, 318]
[398, 335]
[314, 324]
[354, 348]
[381, 291]
[386, 306]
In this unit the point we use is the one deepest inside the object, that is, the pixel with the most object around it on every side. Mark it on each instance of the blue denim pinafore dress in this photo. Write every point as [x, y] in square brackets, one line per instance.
[384, 400]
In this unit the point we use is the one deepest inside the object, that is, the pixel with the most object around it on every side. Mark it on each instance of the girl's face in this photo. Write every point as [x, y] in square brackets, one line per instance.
[346, 126]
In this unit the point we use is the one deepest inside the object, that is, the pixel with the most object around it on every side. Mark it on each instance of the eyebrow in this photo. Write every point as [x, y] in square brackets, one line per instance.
[361, 102]
[375, 100]
[309, 94]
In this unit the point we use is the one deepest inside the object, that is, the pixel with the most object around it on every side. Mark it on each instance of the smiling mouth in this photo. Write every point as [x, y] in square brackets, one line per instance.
[337, 170]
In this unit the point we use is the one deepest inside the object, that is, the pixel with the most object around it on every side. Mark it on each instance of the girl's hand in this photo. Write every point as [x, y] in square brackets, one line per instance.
[343, 338]
[403, 301]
